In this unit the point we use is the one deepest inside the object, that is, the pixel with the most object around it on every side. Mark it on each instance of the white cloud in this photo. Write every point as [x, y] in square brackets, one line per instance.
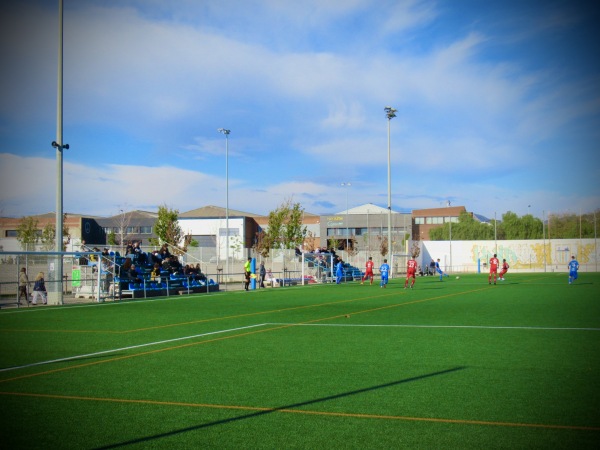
[301, 84]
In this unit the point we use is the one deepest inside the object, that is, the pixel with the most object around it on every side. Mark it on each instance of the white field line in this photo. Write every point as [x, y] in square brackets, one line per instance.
[69, 358]
[482, 327]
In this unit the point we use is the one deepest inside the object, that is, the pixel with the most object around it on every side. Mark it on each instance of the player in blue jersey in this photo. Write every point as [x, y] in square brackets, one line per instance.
[339, 271]
[439, 270]
[573, 268]
[385, 272]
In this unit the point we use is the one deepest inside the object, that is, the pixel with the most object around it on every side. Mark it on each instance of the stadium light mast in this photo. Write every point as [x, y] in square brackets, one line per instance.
[390, 113]
[347, 185]
[226, 133]
[58, 145]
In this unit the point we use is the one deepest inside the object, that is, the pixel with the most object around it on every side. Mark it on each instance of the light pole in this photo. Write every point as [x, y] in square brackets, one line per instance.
[226, 133]
[347, 185]
[58, 145]
[544, 235]
[390, 113]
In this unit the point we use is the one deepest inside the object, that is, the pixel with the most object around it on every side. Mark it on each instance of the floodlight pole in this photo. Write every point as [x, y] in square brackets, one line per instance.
[347, 185]
[226, 133]
[390, 113]
[544, 236]
[58, 144]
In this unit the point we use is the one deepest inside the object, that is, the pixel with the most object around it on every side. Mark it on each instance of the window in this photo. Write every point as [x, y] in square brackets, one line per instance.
[429, 220]
[146, 230]
[10, 233]
[336, 231]
[232, 232]
[419, 220]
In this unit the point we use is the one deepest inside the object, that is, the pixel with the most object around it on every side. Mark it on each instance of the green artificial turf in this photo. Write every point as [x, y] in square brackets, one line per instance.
[452, 364]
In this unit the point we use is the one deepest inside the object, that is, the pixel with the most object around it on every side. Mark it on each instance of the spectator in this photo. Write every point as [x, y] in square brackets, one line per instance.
[125, 268]
[431, 267]
[23, 286]
[39, 290]
[155, 273]
[134, 274]
[164, 251]
[262, 273]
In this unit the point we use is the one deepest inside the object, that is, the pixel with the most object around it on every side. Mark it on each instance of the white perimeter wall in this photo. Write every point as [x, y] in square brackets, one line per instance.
[527, 255]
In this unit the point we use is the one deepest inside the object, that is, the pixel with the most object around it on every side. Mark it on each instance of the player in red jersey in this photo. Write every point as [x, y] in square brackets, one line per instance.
[368, 271]
[505, 268]
[494, 263]
[411, 270]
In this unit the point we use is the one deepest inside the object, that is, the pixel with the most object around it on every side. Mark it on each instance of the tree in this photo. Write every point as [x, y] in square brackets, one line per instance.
[571, 226]
[111, 238]
[466, 229]
[383, 245]
[121, 224]
[285, 229]
[48, 236]
[168, 230]
[27, 233]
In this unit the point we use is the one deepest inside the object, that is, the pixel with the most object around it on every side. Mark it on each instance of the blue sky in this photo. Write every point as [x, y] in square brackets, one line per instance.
[498, 105]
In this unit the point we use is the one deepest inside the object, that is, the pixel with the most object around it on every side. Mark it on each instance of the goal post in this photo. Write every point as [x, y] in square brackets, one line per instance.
[317, 267]
[398, 264]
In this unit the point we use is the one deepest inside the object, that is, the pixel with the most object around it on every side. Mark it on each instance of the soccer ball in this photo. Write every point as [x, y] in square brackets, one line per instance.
[457, 278]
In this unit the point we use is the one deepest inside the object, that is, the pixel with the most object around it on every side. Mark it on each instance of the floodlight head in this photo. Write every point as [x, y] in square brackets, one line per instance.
[390, 112]
[224, 131]
[57, 145]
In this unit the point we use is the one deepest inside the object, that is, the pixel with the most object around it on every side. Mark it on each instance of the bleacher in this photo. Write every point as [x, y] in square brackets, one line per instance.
[169, 284]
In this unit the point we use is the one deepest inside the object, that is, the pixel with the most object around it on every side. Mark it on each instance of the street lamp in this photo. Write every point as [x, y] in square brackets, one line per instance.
[347, 184]
[226, 133]
[390, 113]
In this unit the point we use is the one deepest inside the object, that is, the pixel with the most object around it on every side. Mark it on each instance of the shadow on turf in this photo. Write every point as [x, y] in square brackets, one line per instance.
[281, 408]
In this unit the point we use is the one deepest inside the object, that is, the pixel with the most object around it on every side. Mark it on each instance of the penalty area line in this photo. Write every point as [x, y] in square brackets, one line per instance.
[104, 352]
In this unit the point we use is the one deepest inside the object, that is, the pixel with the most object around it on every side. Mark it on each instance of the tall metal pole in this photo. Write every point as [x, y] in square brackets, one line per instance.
[450, 243]
[595, 243]
[495, 234]
[390, 114]
[347, 185]
[58, 144]
[226, 133]
[544, 236]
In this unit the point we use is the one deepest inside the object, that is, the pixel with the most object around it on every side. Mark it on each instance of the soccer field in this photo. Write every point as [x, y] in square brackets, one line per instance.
[452, 364]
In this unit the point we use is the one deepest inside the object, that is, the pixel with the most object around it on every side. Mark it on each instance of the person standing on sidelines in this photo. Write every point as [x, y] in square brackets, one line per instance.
[263, 273]
[247, 273]
[505, 268]
[494, 263]
[439, 270]
[573, 268]
[23, 286]
[368, 271]
[385, 272]
[339, 271]
[411, 270]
